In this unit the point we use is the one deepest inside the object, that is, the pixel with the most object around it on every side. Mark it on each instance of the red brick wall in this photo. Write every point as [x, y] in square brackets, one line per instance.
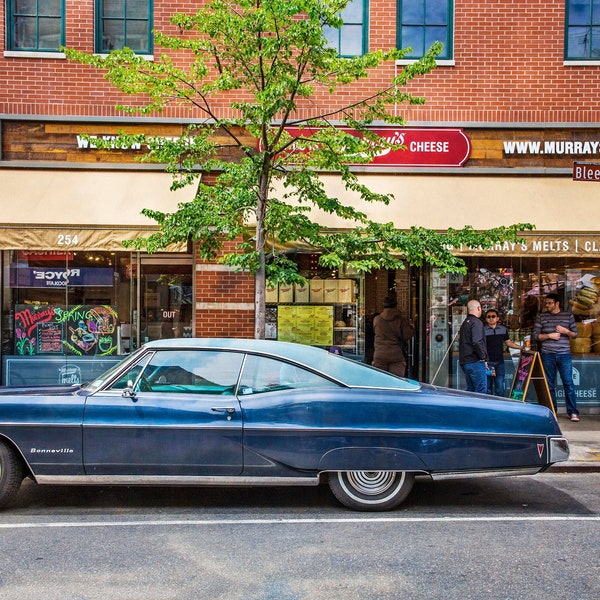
[224, 301]
[508, 69]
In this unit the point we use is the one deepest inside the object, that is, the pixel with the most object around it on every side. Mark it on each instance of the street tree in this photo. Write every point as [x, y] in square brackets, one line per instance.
[275, 106]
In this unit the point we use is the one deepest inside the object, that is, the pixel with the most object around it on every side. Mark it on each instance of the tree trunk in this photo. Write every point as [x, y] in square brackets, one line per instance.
[260, 277]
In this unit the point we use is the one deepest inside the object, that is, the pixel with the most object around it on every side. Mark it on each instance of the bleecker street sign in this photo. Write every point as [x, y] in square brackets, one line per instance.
[423, 147]
[586, 171]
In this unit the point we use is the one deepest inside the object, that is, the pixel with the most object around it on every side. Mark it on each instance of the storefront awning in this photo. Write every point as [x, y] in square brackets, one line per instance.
[82, 210]
[73, 238]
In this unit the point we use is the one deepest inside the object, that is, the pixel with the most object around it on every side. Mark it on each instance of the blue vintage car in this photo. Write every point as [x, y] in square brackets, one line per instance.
[264, 413]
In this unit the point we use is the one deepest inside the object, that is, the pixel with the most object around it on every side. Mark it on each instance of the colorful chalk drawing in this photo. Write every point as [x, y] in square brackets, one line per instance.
[522, 375]
[82, 330]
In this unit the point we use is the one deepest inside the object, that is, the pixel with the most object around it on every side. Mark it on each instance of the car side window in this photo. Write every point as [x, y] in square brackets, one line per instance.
[188, 371]
[130, 376]
[263, 374]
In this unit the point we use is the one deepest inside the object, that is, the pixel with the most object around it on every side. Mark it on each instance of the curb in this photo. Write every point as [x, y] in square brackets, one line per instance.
[573, 467]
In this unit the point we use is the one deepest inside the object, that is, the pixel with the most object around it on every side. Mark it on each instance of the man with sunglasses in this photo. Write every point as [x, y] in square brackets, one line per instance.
[496, 335]
[553, 330]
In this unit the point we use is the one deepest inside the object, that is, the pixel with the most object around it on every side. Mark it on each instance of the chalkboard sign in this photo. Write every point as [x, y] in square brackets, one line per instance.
[49, 338]
[82, 330]
[530, 368]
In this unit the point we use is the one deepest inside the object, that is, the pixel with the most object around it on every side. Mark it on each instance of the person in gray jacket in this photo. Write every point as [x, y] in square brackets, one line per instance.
[553, 331]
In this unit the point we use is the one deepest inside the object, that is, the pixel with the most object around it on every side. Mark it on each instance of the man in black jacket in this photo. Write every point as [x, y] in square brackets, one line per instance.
[472, 349]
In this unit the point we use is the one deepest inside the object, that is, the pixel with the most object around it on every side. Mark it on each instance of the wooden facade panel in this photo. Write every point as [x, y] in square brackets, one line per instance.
[49, 141]
[55, 142]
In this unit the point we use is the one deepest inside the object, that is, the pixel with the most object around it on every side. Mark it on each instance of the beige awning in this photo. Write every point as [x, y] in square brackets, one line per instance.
[72, 237]
[82, 210]
[439, 201]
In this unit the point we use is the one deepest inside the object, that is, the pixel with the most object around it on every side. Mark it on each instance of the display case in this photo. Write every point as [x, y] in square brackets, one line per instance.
[326, 312]
[345, 332]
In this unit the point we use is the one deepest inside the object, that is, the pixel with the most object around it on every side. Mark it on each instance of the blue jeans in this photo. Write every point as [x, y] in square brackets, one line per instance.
[476, 377]
[495, 385]
[564, 365]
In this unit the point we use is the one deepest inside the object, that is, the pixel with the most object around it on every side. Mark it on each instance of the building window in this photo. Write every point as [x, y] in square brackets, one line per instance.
[423, 22]
[36, 25]
[351, 38]
[583, 30]
[124, 23]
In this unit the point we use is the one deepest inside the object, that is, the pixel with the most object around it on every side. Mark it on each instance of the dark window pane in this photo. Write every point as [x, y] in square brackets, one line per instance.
[25, 7]
[113, 36]
[436, 12]
[137, 9]
[25, 32]
[49, 33]
[413, 13]
[350, 38]
[579, 12]
[137, 35]
[125, 23]
[353, 13]
[595, 42]
[351, 42]
[49, 8]
[578, 42]
[332, 36]
[113, 8]
[434, 34]
[413, 37]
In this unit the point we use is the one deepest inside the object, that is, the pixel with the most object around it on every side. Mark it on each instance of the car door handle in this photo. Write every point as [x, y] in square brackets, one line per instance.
[226, 409]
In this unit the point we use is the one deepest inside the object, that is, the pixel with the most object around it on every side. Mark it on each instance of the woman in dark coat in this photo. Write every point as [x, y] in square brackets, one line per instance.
[391, 329]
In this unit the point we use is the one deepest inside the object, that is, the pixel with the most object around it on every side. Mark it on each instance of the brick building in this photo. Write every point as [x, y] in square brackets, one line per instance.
[512, 105]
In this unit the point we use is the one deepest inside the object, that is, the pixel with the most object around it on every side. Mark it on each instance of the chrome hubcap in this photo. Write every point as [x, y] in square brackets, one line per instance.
[371, 482]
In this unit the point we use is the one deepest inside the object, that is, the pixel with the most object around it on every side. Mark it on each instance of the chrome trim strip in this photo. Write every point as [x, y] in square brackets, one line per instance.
[482, 474]
[184, 480]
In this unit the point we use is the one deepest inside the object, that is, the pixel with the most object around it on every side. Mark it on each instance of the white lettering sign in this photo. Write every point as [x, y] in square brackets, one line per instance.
[557, 147]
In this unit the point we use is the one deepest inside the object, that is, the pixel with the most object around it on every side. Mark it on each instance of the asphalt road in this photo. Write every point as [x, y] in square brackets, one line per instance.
[513, 538]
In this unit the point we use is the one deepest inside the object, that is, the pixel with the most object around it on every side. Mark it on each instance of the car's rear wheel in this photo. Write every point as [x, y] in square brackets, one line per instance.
[371, 490]
[11, 474]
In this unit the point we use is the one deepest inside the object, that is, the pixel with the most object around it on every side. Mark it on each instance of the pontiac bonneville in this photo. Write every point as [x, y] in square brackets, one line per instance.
[233, 412]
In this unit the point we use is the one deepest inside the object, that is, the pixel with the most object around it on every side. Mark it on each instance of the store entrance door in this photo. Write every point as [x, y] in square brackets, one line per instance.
[164, 297]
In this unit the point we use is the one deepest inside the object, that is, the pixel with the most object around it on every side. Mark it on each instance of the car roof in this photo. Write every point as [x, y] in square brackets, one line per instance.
[347, 371]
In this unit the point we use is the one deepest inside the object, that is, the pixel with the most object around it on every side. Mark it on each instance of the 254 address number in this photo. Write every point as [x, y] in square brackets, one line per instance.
[66, 239]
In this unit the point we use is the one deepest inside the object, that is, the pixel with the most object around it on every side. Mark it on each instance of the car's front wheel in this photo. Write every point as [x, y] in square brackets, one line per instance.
[11, 474]
[371, 490]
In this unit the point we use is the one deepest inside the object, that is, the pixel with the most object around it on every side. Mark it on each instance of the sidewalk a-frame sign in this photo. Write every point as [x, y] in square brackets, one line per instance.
[530, 368]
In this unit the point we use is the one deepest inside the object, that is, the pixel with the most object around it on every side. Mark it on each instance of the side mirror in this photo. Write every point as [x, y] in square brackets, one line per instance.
[129, 392]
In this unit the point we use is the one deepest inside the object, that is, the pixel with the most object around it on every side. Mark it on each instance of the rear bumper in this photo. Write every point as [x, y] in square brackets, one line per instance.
[558, 449]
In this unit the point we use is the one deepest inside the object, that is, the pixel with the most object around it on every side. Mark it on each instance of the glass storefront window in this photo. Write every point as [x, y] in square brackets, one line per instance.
[66, 316]
[515, 288]
[327, 311]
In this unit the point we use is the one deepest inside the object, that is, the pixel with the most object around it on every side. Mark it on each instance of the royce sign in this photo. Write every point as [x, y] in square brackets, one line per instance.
[586, 171]
[423, 147]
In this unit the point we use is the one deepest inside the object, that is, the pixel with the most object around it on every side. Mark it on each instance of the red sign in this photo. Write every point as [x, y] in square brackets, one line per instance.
[424, 147]
[37, 255]
[586, 171]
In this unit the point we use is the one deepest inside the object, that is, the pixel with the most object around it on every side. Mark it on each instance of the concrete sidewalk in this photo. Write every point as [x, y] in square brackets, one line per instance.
[584, 443]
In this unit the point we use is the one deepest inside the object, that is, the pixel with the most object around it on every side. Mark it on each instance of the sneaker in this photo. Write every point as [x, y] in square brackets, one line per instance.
[574, 417]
